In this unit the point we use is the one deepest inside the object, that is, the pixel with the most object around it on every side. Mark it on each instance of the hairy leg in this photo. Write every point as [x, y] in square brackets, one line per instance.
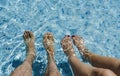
[25, 69]
[97, 60]
[48, 42]
[79, 68]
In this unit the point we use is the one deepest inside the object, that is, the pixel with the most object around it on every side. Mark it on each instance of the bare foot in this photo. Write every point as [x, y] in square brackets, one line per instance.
[67, 46]
[29, 41]
[79, 43]
[48, 41]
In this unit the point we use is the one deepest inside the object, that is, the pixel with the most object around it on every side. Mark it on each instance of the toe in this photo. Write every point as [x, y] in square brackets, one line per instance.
[28, 34]
[65, 41]
[48, 36]
[66, 44]
[25, 35]
[77, 39]
[32, 35]
[48, 41]
[73, 36]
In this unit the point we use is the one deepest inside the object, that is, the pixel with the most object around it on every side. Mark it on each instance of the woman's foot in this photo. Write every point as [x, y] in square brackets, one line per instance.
[67, 46]
[48, 42]
[29, 41]
[79, 43]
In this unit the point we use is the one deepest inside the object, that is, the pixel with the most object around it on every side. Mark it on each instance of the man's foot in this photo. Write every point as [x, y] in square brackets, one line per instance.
[67, 46]
[48, 41]
[79, 43]
[29, 41]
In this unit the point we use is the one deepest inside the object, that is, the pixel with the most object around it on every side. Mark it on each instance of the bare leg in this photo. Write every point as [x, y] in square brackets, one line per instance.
[79, 68]
[96, 60]
[51, 69]
[26, 68]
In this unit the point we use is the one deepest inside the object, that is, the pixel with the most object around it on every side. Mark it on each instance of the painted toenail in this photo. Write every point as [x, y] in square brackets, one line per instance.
[68, 35]
[73, 35]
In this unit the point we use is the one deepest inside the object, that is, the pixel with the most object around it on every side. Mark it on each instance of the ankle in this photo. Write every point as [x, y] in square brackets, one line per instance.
[50, 57]
[72, 55]
[31, 51]
[70, 52]
[50, 54]
[30, 58]
[87, 55]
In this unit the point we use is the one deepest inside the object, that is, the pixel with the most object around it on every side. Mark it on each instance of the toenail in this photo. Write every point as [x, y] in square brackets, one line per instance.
[73, 35]
[68, 35]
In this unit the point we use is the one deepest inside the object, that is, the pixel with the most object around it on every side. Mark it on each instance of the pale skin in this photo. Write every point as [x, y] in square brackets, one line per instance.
[78, 67]
[96, 60]
[25, 69]
[48, 41]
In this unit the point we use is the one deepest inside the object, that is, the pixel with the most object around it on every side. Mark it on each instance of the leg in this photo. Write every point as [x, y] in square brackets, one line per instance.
[51, 69]
[26, 68]
[96, 60]
[79, 68]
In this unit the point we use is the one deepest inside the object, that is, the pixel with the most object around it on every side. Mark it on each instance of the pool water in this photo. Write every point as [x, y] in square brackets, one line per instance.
[97, 21]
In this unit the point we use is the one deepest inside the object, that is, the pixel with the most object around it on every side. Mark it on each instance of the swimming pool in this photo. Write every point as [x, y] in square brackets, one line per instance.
[97, 21]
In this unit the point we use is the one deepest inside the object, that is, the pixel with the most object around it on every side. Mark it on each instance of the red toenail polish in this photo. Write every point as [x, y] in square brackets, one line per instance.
[73, 35]
[68, 35]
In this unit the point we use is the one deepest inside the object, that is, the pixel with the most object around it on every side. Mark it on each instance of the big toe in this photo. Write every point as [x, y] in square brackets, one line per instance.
[65, 40]
[48, 42]
[77, 40]
[28, 34]
[66, 43]
[67, 46]
[48, 36]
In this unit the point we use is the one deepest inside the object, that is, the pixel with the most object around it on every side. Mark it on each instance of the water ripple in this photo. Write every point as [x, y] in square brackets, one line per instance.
[98, 22]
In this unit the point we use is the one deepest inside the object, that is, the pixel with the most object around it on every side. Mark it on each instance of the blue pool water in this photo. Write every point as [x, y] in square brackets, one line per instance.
[97, 21]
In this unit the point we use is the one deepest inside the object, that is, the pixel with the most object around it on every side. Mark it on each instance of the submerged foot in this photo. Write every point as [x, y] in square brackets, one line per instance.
[48, 41]
[79, 43]
[29, 41]
[67, 46]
